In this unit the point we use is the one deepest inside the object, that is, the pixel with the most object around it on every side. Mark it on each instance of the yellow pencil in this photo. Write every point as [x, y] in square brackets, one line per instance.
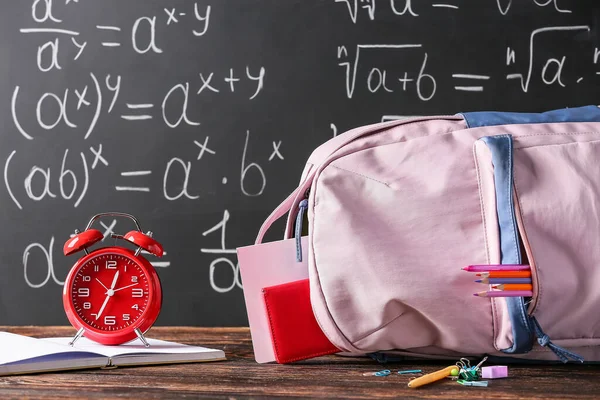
[434, 376]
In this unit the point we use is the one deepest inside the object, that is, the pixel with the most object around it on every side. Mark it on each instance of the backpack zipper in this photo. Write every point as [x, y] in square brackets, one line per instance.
[302, 207]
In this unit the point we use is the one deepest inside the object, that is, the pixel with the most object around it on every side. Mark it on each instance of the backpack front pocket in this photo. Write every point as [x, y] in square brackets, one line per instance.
[546, 202]
[557, 187]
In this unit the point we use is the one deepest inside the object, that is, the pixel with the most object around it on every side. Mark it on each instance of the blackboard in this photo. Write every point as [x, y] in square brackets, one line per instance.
[197, 116]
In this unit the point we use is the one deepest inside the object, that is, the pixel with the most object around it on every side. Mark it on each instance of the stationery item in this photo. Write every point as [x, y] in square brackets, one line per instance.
[410, 371]
[433, 377]
[513, 286]
[505, 293]
[498, 281]
[295, 333]
[112, 294]
[494, 372]
[385, 372]
[490, 268]
[466, 371]
[23, 355]
[505, 274]
[264, 265]
[472, 383]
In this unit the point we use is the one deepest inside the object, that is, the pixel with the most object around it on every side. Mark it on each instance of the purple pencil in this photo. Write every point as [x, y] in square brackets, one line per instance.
[508, 293]
[488, 268]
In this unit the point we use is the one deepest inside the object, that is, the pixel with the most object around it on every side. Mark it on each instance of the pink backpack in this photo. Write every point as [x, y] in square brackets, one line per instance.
[395, 210]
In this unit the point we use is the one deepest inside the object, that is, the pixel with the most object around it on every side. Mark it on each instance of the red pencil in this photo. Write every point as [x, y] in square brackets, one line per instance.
[513, 286]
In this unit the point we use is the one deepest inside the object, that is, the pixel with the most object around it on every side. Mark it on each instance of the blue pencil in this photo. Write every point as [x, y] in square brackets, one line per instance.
[496, 281]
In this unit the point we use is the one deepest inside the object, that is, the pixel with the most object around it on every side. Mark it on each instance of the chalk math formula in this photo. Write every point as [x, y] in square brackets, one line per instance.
[198, 116]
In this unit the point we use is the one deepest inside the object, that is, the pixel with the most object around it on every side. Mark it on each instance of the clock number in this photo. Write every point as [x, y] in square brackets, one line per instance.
[137, 292]
[95, 268]
[134, 279]
[83, 292]
[87, 278]
[87, 305]
[111, 264]
[135, 306]
[110, 320]
[95, 315]
[125, 317]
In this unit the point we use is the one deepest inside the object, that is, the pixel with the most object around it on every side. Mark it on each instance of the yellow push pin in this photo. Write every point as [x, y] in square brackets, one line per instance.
[434, 376]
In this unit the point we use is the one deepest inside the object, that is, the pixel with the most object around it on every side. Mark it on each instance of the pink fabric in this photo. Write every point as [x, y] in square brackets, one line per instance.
[396, 235]
[396, 210]
[393, 216]
[558, 188]
[321, 153]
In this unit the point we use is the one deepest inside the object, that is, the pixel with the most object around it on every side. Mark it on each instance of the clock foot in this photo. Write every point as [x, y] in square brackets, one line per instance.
[76, 337]
[140, 335]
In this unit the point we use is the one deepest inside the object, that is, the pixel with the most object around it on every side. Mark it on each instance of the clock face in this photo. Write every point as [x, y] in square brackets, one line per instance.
[110, 292]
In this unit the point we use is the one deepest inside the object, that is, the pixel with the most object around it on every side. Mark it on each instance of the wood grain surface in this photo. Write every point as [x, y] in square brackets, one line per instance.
[241, 377]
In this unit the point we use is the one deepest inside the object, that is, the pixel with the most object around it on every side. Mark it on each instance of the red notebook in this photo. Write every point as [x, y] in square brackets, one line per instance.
[295, 333]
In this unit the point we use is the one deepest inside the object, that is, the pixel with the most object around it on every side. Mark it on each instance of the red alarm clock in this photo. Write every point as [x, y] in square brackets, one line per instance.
[112, 295]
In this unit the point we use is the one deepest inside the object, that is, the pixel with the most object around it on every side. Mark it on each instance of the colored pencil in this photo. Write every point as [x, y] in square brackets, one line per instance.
[506, 274]
[498, 281]
[509, 293]
[432, 377]
[513, 286]
[488, 268]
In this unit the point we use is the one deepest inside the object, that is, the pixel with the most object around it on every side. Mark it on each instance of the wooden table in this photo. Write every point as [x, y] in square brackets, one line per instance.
[240, 376]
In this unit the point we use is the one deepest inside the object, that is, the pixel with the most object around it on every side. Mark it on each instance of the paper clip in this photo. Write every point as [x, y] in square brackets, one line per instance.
[481, 362]
[463, 363]
[473, 383]
[410, 371]
[385, 372]
[467, 372]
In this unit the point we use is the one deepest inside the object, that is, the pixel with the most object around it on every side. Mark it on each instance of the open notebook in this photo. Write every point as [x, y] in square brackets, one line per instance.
[24, 355]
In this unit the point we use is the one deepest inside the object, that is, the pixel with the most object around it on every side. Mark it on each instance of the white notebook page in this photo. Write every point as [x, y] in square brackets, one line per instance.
[136, 353]
[14, 348]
